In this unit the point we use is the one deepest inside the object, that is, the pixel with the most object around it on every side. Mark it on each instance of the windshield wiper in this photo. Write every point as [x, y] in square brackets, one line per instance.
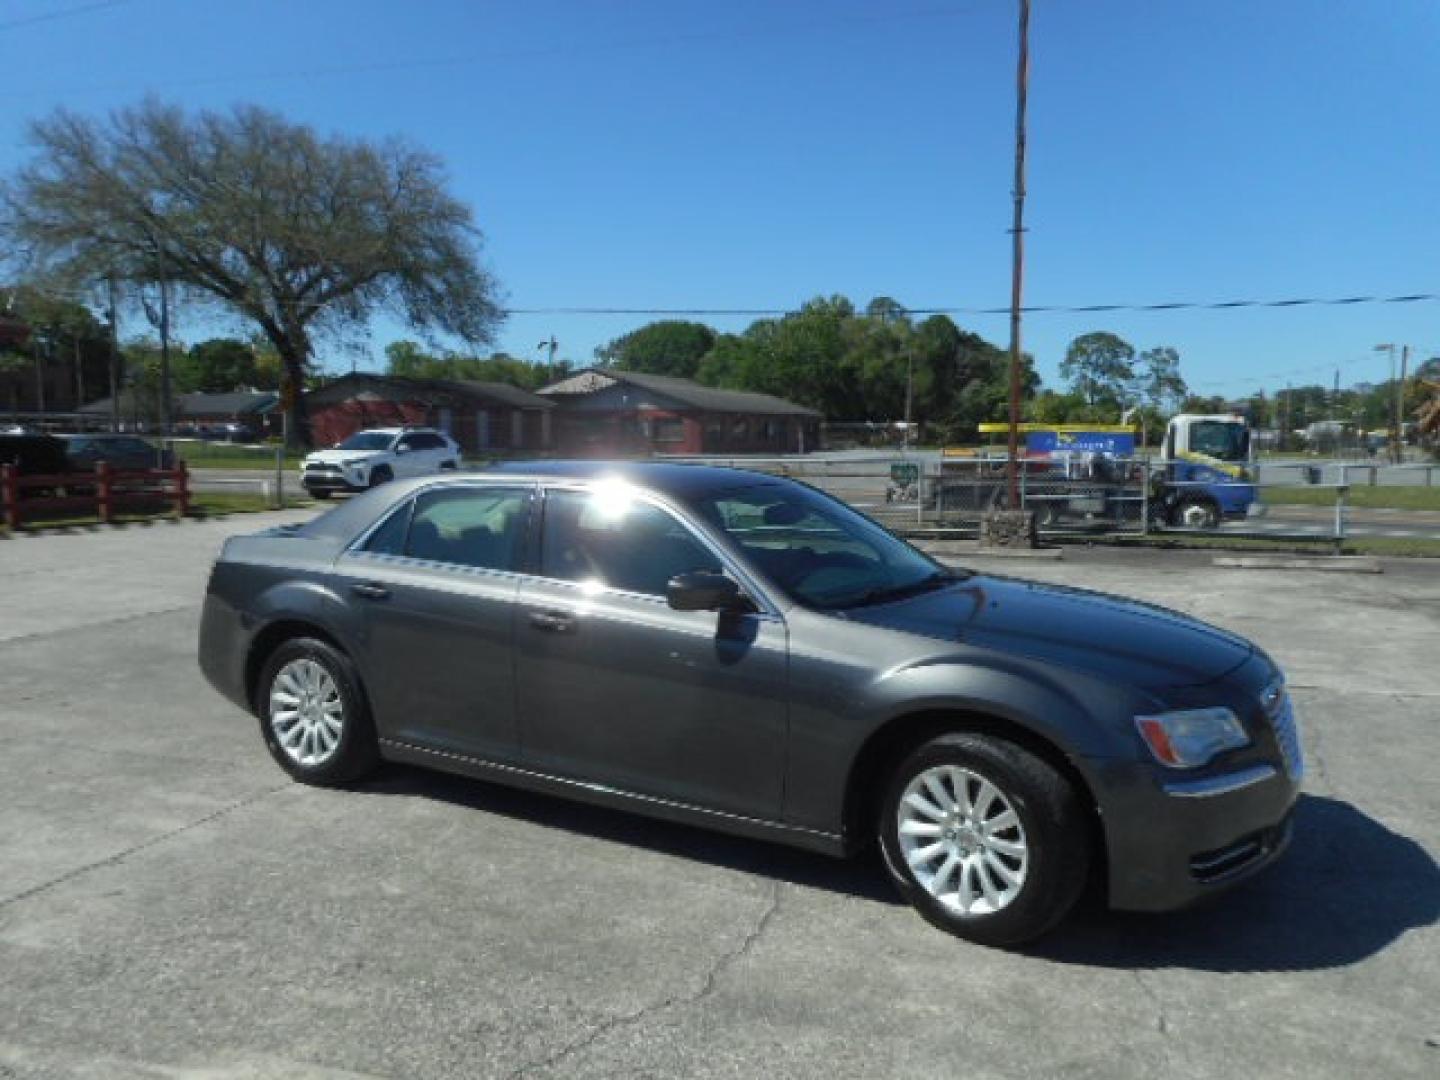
[898, 592]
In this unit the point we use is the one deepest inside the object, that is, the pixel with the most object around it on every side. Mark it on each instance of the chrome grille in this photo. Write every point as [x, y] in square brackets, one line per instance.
[1288, 737]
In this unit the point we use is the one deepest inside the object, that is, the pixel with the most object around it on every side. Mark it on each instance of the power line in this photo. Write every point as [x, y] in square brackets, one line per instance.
[52, 16]
[1173, 305]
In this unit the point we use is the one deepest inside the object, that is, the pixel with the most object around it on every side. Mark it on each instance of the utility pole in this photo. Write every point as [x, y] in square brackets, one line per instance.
[166, 403]
[1017, 273]
[1397, 441]
[909, 392]
[114, 354]
[551, 344]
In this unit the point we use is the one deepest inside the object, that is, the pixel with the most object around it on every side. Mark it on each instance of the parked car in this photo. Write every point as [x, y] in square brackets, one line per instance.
[120, 451]
[746, 653]
[377, 456]
[34, 455]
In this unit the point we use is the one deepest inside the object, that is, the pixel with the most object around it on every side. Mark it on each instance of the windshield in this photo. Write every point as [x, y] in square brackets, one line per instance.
[367, 440]
[818, 550]
[1219, 439]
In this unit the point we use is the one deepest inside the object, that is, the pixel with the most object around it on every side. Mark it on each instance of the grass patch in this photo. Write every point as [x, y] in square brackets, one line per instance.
[1416, 547]
[207, 455]
[206, 505]
[1361, 497]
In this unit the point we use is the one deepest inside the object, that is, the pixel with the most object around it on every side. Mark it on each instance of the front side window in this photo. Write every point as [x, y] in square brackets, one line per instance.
[821, 552]
[1228, 442]
[607, 536]
[483, 528]
[367, 440]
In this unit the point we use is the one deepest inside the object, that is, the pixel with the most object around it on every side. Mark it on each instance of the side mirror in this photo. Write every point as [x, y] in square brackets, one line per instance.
[702, 590]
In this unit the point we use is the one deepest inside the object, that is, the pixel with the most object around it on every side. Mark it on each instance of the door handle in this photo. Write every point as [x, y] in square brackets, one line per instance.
[555, 622]
[370, 591]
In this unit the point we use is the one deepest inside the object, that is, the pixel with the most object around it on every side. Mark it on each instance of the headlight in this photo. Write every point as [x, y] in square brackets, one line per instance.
[1191, 737]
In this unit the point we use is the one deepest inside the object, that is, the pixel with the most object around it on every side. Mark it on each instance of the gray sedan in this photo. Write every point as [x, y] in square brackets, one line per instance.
[745, 653]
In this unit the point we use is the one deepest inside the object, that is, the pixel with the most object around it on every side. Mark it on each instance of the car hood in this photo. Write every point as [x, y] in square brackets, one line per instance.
[340, 457]
[1110, 637]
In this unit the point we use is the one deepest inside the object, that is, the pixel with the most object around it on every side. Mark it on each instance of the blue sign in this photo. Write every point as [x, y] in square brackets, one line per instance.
[1080, 442]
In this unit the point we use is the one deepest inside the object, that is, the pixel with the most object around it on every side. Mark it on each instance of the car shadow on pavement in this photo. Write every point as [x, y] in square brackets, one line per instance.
[1347, 887]
[861, 877]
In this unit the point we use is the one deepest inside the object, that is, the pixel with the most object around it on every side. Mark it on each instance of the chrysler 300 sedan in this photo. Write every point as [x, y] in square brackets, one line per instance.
[743, 652]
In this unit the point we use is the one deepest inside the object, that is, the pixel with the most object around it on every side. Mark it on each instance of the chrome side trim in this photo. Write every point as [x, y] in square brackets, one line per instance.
[604, 789]
[1220, 785]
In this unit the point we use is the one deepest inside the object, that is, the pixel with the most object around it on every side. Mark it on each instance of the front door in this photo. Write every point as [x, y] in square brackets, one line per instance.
[435, 586]
[616, 687]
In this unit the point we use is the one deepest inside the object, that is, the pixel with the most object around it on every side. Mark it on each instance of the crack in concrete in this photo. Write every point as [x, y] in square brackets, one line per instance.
[19, 639]
[121, 856]
[707, 986]
[1162, 1022]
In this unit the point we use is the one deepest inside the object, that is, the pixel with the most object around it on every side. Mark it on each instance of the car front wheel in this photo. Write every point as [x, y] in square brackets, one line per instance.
[313, 715]
[987, 840]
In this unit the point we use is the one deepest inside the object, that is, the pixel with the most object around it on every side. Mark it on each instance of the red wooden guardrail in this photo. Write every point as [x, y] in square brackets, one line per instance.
[104, 492]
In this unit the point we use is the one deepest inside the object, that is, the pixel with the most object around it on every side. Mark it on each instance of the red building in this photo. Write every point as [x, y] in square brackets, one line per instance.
[604, 412]
[483, 417]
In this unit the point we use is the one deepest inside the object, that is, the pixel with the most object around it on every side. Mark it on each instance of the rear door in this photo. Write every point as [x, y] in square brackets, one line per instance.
[614, 686]
[434, 587]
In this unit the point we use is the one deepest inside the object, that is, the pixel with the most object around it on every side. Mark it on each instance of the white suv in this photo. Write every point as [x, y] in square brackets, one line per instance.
[372, 457]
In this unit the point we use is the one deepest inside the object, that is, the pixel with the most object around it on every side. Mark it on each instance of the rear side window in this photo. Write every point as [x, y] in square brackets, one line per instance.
[612, 539]
[482, 528]
[389, 538]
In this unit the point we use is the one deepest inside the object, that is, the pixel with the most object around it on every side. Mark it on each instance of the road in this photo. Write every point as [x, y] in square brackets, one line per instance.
[172, 906]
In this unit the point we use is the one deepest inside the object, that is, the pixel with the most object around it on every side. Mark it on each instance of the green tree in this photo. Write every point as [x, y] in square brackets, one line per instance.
[1098, 366]
[223, 365]
[299, 233]
[1158, 382]
[668, 347]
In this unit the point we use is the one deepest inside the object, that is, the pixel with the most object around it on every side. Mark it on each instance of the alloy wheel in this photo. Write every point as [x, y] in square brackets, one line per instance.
[307, 714]
[962, 840]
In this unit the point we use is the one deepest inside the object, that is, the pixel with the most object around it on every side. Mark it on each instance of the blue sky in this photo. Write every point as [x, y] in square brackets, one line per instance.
[673, 153]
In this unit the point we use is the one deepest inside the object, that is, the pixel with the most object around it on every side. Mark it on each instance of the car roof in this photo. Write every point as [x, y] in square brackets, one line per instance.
[682, 480]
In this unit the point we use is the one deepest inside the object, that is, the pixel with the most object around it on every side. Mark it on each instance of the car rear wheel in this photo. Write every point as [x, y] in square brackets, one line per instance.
[987, 840]
[314, 719]
[320, 493]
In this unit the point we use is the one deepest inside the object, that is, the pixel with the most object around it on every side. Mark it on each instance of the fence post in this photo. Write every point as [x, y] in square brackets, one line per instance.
[1144, 496]
[1340, 492]
[182, 489]
[105, 505]
[10, 495]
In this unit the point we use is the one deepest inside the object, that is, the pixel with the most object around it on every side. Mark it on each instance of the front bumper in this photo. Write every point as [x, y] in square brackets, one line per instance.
[1172, 840]
[317, 480]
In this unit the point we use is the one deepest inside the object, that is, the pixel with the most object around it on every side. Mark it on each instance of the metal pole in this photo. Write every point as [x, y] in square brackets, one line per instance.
[909, 392]
[166, 402]
[1397, 442]
[1017, 232]
[114, 354]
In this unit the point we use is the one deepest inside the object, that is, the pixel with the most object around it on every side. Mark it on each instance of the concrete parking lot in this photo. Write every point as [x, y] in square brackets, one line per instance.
[172, 906]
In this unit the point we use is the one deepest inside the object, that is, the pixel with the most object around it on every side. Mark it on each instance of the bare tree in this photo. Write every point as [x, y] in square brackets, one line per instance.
[299, 233]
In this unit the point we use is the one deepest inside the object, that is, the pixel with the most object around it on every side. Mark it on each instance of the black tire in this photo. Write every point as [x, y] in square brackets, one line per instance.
[1191, 505]
[449, 466]
[1054, 830]
[320, 494]
[357, 753]
[381, 474]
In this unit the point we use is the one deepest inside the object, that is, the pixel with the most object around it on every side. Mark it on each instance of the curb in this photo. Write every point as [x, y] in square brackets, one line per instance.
[1344, 564]
[972, 549]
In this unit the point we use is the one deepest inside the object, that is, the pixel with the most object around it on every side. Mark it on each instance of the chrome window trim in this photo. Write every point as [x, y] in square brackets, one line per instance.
[1210, 786]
